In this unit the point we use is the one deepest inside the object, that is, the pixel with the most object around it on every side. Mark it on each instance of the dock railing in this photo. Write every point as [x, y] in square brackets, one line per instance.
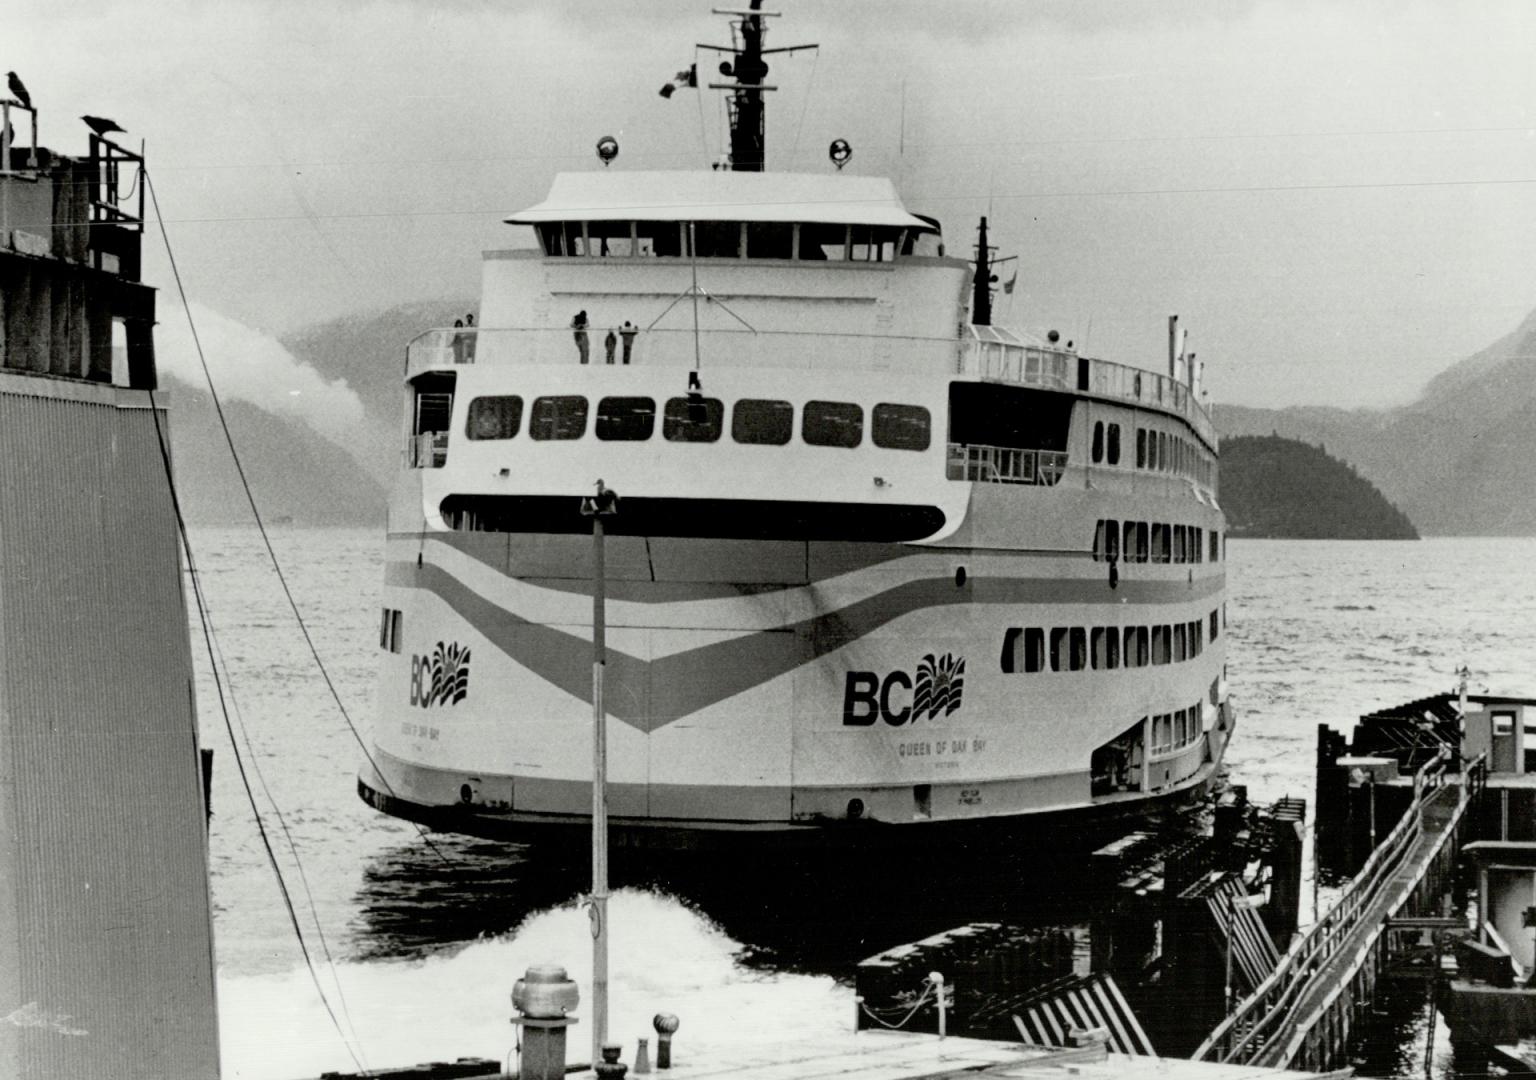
[1263, 1028]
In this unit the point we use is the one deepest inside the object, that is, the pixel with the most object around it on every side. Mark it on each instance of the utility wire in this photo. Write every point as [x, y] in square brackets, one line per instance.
[260, 526]
[250, 795]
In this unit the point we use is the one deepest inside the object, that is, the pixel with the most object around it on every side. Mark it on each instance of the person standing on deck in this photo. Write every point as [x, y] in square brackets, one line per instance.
[628, 332]
[609, 344]
[579, 328]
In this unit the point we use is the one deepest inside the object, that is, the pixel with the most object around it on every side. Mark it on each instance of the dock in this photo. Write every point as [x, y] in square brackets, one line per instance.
[1303, 1013]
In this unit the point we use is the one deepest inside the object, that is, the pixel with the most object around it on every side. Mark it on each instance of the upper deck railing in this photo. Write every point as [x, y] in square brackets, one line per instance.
[985, 353]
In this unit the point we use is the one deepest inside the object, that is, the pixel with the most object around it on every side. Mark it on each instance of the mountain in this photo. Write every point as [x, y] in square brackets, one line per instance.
[293, 472]
[1278, 487]
[1460, 460]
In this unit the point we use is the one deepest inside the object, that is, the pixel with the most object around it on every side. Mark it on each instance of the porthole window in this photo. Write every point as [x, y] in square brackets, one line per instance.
[494, 417]
[694, 418]
[762, 422]
[561, 417]
[626, 419]
[901, 427]
[832, 423]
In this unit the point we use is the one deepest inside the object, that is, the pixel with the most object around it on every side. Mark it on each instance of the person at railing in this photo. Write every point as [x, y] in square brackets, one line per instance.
[579, 332]
[469, 338]
[610, 343]
[628, 332]
[458, 341]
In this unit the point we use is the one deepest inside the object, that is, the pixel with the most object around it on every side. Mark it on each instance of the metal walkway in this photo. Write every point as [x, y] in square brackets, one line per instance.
[1301, 1015]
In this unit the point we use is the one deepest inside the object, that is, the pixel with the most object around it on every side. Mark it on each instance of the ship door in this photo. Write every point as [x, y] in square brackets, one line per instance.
[431, 417]
[1504, 757]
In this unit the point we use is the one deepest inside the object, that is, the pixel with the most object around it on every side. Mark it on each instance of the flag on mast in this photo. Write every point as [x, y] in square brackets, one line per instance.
[685, 78]
[1008, 286]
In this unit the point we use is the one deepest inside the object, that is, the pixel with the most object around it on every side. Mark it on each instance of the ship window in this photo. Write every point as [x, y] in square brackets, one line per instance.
[1113, 455]
[612, 237]
[1034, 649]
[1197, 543]
[1013, 639]
[1098, 442]
[1135, 651]
[1098, 539]
[1215, 546]
[901, 427]
[1180, 552]
[1196, 638]
[1112, 541]
[390, 625]
[1160, 541]
[662, 238]
[1078, 640]
[1160, 651]
[694, 418]
[560, 417]
[626, 419]
[494, 417]
[832, 423]
[1106, 648]
[1141, 448]
[1180, 642]
[1164, 455]
[1059, 648]
[718, 239]
[762, 422]
[770, 239]
[821, 243]
[1215, 626]
[1023, 650]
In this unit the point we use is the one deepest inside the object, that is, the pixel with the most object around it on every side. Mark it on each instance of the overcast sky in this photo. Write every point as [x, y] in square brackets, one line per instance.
[1338, 198]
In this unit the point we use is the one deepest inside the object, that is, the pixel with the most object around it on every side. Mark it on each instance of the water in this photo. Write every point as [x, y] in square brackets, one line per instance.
[425, 943]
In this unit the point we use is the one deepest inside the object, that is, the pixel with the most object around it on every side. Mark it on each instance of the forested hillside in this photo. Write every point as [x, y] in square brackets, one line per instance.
[1277, 487]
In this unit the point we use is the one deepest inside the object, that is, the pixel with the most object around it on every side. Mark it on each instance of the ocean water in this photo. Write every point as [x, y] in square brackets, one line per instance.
[416, 945]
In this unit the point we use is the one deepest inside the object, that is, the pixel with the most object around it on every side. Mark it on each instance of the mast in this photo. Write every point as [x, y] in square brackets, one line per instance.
[981, 285]
[745, 105]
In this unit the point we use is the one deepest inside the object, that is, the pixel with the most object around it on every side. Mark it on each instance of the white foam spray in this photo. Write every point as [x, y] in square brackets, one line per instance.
[664, 958]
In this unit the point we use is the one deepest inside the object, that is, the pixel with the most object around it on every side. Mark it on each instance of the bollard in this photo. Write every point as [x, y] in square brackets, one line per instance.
[643, 1058]
[937, 980]
[542, 997]
[665, 1024]
[611, 1068]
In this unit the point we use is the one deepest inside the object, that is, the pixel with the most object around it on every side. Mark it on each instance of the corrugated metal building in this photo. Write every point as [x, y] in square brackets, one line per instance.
[106, 954]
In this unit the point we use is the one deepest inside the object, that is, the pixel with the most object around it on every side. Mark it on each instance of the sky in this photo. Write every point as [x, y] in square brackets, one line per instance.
[1338, 199]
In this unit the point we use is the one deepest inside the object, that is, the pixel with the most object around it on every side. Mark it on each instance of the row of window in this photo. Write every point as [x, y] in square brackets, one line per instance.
[1156, 541]
[1029, 649]
[736, 239]
[696, 418]
[1155, 450]
[1176, 730]
[1159, 451]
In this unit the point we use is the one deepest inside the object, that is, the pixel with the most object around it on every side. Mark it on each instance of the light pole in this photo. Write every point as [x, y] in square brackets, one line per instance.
[604, 504]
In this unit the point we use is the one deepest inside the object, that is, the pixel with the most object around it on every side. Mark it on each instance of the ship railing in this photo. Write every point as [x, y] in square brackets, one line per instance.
[428, 450]
[1004, 464]
[808, 349]
[1263, 1015]
[996, 353]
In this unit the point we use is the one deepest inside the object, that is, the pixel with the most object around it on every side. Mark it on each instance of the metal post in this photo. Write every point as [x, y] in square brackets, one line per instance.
[605, 502]
[1231, 929]
[1370, 783]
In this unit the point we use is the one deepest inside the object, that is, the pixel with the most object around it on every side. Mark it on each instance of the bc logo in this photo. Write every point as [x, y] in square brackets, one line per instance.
[442, 678]
[936, 692]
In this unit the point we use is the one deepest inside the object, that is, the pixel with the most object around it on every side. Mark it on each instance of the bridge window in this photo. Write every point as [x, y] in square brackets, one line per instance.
[762, 422]
[832, 423]
[694, 418]
[626, 419]
[558, 417]
[901, 427]
[494, 417]
[770, 240]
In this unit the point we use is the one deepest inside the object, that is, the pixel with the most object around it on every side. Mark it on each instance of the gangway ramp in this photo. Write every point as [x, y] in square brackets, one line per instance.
[1301, 1015]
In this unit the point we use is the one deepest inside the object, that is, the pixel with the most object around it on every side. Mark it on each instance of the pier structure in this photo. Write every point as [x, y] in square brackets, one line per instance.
[1303, 1014]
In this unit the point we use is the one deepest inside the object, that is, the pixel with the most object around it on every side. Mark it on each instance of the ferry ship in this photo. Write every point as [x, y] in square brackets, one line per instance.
[877, 567]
